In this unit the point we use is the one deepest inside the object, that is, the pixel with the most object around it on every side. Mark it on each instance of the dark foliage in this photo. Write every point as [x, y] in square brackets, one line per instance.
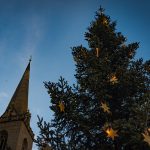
[82, 124]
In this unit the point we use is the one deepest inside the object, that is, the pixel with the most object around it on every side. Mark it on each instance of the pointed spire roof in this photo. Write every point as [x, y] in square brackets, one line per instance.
[17, 109]
[19, 100]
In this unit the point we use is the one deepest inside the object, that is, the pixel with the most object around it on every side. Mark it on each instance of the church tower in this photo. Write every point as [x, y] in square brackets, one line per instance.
[15, 130]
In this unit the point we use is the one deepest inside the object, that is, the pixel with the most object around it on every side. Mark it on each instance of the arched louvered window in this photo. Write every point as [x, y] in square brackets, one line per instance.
[3, 139]
[25, 144]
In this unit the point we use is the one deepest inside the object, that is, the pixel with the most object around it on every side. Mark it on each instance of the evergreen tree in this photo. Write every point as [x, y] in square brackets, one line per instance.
[108, 107]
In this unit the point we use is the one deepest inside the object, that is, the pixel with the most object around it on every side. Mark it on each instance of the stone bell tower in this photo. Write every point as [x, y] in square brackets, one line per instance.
[15, 130]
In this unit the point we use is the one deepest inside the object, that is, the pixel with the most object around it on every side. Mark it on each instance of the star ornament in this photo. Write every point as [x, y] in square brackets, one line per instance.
[105, 107]
[111, 133]
[130, 54]
[61, 107]
[146, 137]
[105, 21]
[114, 79]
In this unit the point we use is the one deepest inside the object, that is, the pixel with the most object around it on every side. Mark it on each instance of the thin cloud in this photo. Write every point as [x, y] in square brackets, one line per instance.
[3, 95]
[34, 27]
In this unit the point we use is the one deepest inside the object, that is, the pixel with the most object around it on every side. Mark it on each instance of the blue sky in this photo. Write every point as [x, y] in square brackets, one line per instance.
[46, 29]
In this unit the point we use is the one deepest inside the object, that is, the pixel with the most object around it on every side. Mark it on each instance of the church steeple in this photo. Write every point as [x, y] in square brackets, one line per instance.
[19, 100]
[15, 122]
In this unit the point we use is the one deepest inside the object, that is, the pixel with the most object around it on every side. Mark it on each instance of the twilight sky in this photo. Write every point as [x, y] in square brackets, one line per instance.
[46, 29]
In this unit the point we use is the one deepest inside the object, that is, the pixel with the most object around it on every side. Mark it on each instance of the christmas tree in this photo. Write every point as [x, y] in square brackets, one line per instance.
[109, 106]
